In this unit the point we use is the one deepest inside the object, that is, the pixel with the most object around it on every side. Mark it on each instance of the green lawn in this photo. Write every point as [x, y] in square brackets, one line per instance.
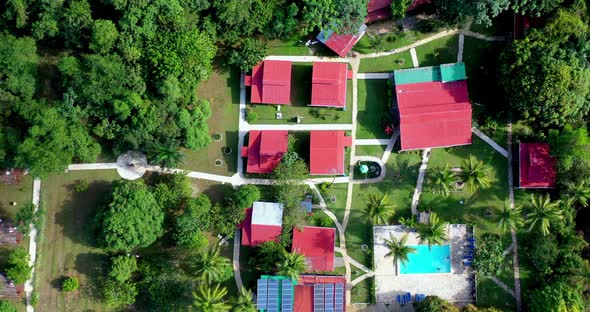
[439, 51]
[370, 150]
[373, 108]
[20, 194]
[386, 63]
[361, 293]
[300, 99]
[339, 192]
[396, 39]
[491, 295]
[223, 91]
[67, 243]
[291, 46]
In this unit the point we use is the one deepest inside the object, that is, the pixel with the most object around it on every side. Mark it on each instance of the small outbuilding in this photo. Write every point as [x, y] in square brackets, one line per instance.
[327, 152]
[263, 223]
[265, 150]
[328, 84]
[341, 44]
[270, 82]
[536, 166]
[317, 245]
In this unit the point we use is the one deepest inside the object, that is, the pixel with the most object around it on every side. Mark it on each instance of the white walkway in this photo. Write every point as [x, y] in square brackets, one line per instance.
[301, 127]
[461, 45]
[414, 57]
[374, 75]
[97, 166]
[371, 141]
[390, 145]
[420, 182]
[33, 245]
[491, 142]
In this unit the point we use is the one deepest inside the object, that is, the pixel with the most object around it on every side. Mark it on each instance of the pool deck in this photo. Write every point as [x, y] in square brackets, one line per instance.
[457, 286]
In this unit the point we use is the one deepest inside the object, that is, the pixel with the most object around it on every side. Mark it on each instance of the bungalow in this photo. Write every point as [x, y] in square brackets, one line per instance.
[327, 152]
[265, 150]
[263, 223]
[270, 82]
[536, 166]
[341, 44]
[328, 84]
[317, 245]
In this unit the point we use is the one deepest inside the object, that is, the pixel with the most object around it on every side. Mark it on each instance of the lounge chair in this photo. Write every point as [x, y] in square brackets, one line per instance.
[398, 299]
[468, 257]
[470, 239]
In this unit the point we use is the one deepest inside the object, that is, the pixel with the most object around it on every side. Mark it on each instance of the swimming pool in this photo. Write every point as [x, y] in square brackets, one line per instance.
[437, 259]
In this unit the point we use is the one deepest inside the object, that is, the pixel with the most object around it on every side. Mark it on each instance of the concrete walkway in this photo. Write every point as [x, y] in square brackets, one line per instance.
[362, 278]
[516, 267]
[420, 181]
[414, 57]
[307, 58]
[390, 145]
[96, 166]
[236, 260]
[491, 142]
[503, 286]
[374, 75]
[371, 141]
[461, 45]
[301, 127]
[33, 246]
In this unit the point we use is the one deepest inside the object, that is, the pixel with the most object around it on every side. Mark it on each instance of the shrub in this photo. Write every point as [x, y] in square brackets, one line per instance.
[34, 299]
[81, 186]
[18, 268]
[488, 255]
[70, 284]
[322, 219]
[5, 306]
[251, 116]
[123, 268]
[25, 216]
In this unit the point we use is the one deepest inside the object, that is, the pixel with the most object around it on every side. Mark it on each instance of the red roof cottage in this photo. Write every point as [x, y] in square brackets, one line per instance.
[434, 107]
[317, 245]
[340, 44]
[263, 223]
[270, 82]
[328, 84]
[327, 152]
[265, 150]
[536, 166]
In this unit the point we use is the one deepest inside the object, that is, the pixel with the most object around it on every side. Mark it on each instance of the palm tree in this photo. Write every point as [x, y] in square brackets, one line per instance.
[434, 232]
[291, 265]
[442, 181]
[209, 299]
[378, 208]
[474, 173]
[543, 211]
[210, 266]
[167, 155]
[244, 302]
[509, 218]
[398, 249]
[582, 274]
[578, 193]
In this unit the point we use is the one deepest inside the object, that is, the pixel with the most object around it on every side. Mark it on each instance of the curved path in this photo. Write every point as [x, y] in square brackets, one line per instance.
[371, 159]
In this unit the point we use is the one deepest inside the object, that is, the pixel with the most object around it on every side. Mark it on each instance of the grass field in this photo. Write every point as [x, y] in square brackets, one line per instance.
[373, 108]
[370, 150]
[491, 295]
[67, 245]
[20, 194]
[439, 51]
[300, 99]
[395, 39]
[386, 63]
[223, 91]
[292, 46]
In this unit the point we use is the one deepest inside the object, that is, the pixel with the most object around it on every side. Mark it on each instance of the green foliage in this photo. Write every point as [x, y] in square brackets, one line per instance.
[434, 232]
[27, 216]
[16, 10]
[544, 253]
[172, 190]
[193, 125]
[343, 16]
[399, 8]
[251, 116]
[243, 196]
[132, 219]
[291, 264]
[104, 36]
[70, 284]
[535, 7]
[250, 53]
[119, 294]
[556, 297]
[509, 219]
[398, 249]
[17, 267]
[542, 212]
[435, 304]
[442, 181]
[546, 73]
[457, 11]
[193, 222]
[167, 155]
[18, 68]
[242, 18]
[244, 302]
[570, 146]
[475, 174]
[378, 209]
[489, 255]
[5, 306]
[34, 300]
[224, 219]
[122, 268]
[211, 267]
[266, 256]
[81, 186]
[322, 219]
[76, 18]
[209, 299]
[284, 23]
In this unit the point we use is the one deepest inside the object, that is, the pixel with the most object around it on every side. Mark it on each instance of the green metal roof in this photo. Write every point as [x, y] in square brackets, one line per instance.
[444, 73]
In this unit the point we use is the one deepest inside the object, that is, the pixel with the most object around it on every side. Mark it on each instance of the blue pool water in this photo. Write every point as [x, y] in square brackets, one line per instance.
[437, 259]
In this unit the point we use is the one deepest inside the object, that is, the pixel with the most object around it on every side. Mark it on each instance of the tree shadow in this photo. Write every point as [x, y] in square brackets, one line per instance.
[93, 267]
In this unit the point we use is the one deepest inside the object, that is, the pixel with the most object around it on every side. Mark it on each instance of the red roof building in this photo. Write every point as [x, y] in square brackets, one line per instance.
[270, 82]
[328, 84]
[434, 107]
[340, 44]
[327, 152]
[265, 150]
[536, 166]
[326, 292]
[317, 245]
[381, 9]
[12, 176]
[263, 223]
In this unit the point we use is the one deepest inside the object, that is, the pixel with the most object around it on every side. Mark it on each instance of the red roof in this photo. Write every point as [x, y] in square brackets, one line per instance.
[381, 9]
[317, 245]
[329, 84]
[271, 83]
[256, 234]
[304, 290]
[265, 150]
[434, 114]
[327, 152]
[537, 166]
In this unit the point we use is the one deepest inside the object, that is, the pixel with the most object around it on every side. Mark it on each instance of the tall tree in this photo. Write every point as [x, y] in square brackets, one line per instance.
[535, 7]
[570, 146]
[398, 249]
[244, 302]
[250, 53]
[17, 267]
[578, 193]
[442, 181]
[104, 36]
[167, 155]
[434, 232]
[509, 219]
[132, 219]
[17, 10]
[191, 225]
[210, 266]
[542, 212]
[378, 208]
[457, 11]
[291, 265]
[475, 174]
[208, 299]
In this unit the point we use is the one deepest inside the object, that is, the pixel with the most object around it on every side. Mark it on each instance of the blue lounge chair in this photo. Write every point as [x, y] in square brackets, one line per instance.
[398, 299]
[471, 239]
[468, 257]
[408, 297]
